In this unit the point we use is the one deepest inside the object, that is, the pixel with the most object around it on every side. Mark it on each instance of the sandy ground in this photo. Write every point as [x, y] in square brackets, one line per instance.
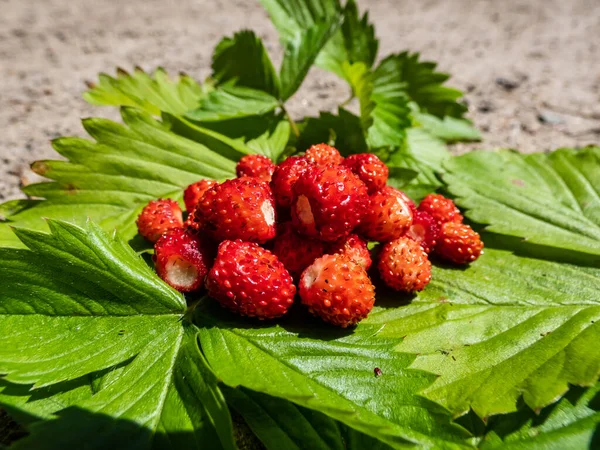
[530, 69]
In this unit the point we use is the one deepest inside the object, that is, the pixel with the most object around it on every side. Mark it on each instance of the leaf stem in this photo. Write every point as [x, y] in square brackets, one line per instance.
[293, 125]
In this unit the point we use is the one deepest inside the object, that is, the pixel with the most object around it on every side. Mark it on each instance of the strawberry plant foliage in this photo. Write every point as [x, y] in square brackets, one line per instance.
[99, 350]
[106, 310]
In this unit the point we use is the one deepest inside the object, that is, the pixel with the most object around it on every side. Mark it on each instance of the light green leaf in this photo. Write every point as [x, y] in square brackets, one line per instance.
[424, 85]
[550, 200]
[110, 180]
[354, 42]
[572, 423]
[505, 327]
[331, 371]
[449, 129]
[272, 142]
[423, 154]
[384, 105]
[292, 16]
[300, 53]
[232, 102]
[106, 308]
[166, 398]
[244, 60]
[152, 94]
[101, 311]
[280, 424]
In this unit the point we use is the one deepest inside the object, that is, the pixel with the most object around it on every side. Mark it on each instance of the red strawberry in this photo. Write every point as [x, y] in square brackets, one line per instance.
[294, 251]
[250, 281]
[158, 217]
[424, 230]
[328, 202]
[323, 154]
[441, 209]
[194, 193]
[242, 208]
[337, 290]
[389, 216]
[370, 169]
[404, 266]
[458, 243]
[354, 248]
[182, 260]
[258, 166]
[285, 176]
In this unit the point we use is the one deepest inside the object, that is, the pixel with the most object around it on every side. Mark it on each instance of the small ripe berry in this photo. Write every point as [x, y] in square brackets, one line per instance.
[458, 243]
[296, 252]
[329, 202]
[257, 166]
[370, 169]
[354, 248]
[403, 265]
[442, 209]
[424, 230]
[337, 290]
[285, 176]
[250, 281]
[389, 216]
[158, 217]
[194, 193]
[182, 260]
[323, 154]
[242, 208]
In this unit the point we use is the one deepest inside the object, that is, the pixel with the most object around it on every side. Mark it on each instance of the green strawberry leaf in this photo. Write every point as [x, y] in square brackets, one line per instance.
[343, 130]
[167, 397]
[506, 327]
[354, 42]
[424, 85]
[571, 423]
[449, 129]
[549, 201]
[106, 308]
[282, 424]
[300, 53]
[244, 60]
[423, 155]
[331, 371]
[110, 180]
[151, 93]
[232, 102]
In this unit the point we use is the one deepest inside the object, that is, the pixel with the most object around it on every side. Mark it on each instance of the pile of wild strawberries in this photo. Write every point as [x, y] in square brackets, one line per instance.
[307, 221]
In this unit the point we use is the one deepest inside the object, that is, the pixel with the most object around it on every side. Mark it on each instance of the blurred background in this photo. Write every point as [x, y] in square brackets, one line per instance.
[530, 70]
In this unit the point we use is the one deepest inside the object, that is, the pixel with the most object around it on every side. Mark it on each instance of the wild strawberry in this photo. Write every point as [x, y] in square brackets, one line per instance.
[242, 208]
[403, 265]
[323, 154]
[182, 260]
[296, 252]
[257, 166]
[337, 289]
[194, 193]
[251, 281]
[328, 202]
[285, 176]
[442, 209]
[158, 217]
[424, 230]
[370, 169]
[389, 216]
[458, 243]
[354, 248]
